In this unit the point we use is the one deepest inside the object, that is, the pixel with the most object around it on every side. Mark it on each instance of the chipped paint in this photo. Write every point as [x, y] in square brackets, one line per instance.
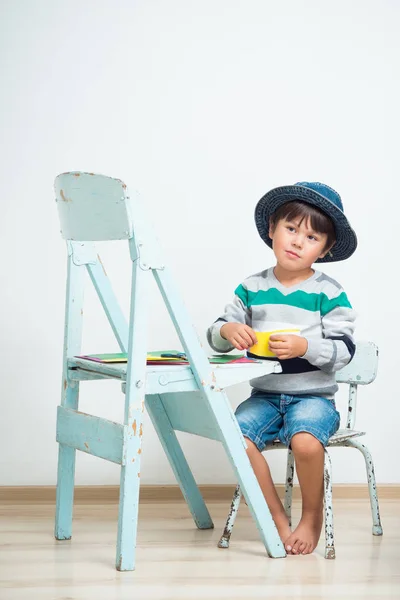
[226, 535]
[373, 493]
[77, 174]
[65, 384]
[289, 486]
[99, 259]
[327, 478]
[86, 445]
[330, 553]
[63, 196]
[134, 426]
[139, 451]
[138, 474]
[329, 536]
[352, 404]
[141, 430]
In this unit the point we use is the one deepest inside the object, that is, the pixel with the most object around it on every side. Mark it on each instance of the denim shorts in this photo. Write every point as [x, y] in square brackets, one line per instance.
[265, 417]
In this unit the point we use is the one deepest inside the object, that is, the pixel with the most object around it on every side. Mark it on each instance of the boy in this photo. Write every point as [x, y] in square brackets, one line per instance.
[303, 223]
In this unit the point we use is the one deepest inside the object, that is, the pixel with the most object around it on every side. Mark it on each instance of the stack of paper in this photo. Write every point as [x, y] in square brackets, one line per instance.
[168, 357]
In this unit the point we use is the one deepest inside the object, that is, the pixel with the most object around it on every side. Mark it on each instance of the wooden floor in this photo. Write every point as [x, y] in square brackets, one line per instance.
[177, 561]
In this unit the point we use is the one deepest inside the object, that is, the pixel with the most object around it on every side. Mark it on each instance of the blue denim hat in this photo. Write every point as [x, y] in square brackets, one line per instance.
[317, 194]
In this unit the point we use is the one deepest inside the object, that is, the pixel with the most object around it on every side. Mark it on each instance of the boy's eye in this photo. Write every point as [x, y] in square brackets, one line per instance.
[312, 237]
[290, 228]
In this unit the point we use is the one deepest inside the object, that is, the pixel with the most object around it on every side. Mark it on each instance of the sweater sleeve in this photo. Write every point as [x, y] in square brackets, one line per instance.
[236, 311]
[336, 348]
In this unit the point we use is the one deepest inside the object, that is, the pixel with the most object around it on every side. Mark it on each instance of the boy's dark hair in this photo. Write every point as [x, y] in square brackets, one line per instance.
[320, 222]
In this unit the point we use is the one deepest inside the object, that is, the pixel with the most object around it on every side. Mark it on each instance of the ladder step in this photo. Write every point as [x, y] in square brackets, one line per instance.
[90, 434]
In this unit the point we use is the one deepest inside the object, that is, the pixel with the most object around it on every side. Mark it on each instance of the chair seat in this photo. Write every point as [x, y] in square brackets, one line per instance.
[344, 434]
[172, 378]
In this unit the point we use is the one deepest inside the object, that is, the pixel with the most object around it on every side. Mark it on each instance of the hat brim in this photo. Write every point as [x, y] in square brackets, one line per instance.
[346, 239]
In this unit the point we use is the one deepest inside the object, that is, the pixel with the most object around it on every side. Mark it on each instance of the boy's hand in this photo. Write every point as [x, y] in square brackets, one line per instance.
[287, 346]
[238, 335]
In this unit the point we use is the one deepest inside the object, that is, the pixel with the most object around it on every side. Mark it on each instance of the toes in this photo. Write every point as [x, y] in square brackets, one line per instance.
[296, 546]
[307, 549]
[290, 543]
[302, 547]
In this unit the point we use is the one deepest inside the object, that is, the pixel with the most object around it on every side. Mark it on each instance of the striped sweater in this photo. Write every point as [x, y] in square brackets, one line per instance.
[318, 307]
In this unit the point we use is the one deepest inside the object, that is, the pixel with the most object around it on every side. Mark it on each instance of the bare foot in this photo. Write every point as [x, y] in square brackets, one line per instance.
[304, 538]
[282, 525]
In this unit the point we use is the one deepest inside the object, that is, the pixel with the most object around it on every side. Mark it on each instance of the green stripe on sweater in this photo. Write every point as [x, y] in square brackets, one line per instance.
[314, 302]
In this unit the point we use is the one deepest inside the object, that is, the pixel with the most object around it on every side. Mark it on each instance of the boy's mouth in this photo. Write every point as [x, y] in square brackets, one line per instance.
[292, 253]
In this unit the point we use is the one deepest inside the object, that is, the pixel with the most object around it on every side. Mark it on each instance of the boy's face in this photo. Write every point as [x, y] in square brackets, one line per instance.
[296, 246]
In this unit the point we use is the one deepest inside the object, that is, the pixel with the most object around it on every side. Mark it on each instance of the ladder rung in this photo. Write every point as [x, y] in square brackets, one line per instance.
[90, 434]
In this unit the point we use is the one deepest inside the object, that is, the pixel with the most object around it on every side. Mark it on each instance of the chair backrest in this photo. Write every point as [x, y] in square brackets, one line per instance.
[364, 366]
[360, 371]
[93, 207]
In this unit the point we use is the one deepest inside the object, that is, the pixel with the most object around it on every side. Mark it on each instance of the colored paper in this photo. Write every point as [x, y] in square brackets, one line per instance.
[168, 357]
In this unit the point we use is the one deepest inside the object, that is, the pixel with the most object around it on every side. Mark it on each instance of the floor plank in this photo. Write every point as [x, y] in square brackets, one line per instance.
[175, 560]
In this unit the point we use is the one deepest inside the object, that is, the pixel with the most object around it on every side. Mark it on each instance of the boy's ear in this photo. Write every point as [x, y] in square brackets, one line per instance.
[271, 229]
[325, 252]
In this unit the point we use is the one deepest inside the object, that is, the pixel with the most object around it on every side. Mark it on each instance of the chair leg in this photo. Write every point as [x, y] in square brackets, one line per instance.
[66, 476]
[65, 492]
[329, 533]
[289, 486]
[129, 498]
[226, 536]
[178, 462]
[373, 493]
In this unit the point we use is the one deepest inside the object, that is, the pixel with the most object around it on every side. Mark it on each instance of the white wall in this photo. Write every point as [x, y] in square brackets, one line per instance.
[202, 106]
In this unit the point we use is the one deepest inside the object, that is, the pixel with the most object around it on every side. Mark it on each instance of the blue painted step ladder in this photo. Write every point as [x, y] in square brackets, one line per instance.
[178, 398]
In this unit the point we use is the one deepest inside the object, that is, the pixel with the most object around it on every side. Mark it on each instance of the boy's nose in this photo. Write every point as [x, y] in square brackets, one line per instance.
[298, 242]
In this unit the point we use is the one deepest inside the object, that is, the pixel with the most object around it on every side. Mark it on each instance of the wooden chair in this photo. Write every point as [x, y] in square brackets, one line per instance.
[360, 371]
[184, 398]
